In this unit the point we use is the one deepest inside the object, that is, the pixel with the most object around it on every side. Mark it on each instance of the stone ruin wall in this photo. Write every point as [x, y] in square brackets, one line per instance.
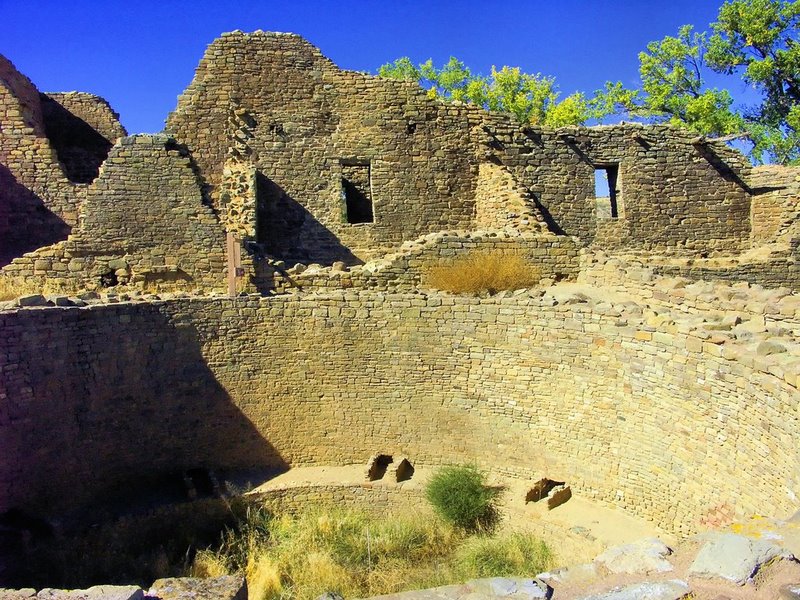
[81, 128]
[303, 123]
[776, 210]
[272, 127]
[555, 258]
[38, 204]
[655, 416]
[675, 194]
[143, 223]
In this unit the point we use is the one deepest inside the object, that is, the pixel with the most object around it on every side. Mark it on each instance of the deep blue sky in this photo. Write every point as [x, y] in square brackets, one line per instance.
[140, 55]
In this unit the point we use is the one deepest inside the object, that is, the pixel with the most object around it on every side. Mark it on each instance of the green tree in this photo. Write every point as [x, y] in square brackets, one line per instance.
[673, 89]
[532, 98]
[755, 39]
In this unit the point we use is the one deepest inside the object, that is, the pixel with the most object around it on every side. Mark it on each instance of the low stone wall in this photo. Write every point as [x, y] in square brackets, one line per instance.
[654, 415]
[555, 257]
[365, 496]
[143, 223]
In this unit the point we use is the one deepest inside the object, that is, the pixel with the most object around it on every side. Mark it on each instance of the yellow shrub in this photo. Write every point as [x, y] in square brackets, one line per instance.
[490, 271]
[14, 287]
[208, 564]
[263, 578]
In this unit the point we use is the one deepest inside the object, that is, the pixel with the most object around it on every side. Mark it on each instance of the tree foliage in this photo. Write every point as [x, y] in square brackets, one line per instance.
[755, 39]
[532, 98]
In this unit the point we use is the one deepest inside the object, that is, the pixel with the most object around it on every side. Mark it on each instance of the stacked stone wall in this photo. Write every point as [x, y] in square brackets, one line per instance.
[82, 128]
[674, 192]
[776, 203]
[671, 419]
[626, 271]
[304, 123]
[555, 258]
[143, 223]
[38, 204]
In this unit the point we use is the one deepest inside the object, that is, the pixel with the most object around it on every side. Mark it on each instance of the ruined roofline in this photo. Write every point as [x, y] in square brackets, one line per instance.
[216, 47]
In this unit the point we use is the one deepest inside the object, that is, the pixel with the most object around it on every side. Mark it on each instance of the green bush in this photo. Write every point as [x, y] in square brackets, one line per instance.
[460, 496]
[510, 555]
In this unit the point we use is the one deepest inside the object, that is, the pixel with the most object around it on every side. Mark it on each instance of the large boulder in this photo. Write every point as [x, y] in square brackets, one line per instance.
[733, 557]
[190, 588]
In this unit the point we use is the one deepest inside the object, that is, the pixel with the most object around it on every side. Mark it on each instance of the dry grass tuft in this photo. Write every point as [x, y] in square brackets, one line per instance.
[357, 555]
[14, 287]
[490, 271]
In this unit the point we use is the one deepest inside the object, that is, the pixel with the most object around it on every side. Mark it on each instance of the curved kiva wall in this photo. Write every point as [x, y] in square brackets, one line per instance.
[670, 421]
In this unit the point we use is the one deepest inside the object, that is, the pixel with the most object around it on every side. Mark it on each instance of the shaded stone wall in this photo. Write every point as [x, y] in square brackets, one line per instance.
[776, 204]
[144, 222]
[304, 123]
[308, 121]
[81, 128]
[653, 416]
[38, 204]
[673, 193]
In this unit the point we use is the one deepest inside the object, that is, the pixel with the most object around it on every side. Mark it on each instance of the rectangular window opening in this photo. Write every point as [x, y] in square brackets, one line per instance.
[357, 194]
[606, 192]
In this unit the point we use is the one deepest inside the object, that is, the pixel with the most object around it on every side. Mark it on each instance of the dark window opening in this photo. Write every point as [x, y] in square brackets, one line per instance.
[404, 470]
[606, 192]
[376, 468]
[541, 489]
[199, 483]
[357, 194]
[108, 279]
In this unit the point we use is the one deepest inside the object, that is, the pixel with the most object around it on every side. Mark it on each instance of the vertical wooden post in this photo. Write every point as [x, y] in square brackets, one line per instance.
[234, 262]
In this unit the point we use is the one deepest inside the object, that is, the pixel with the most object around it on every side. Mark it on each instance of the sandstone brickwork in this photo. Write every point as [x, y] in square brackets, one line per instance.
[81, 128]
[653, 415]
[143, 222]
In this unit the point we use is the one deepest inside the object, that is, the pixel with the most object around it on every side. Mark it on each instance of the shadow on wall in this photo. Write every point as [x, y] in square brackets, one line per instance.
[98, 427]
[721, 166]
[25, 222]
[289, 232]
[80, 148]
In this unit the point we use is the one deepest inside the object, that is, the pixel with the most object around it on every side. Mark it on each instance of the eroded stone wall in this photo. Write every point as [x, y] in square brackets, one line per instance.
[38, 204]
[81, 128]
[666, 418]
[776, 203]
[674, 193]
[305, 124]
[143, 223]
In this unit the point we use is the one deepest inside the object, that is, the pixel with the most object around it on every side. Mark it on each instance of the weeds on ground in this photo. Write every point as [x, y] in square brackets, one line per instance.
[490, 271]
[14, 287]
[459, 494]
[356, 554]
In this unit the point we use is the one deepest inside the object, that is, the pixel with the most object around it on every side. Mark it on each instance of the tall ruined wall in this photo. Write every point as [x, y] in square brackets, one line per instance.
[305, 124]
[38, 204]
[674, 193]
[144, 221]
[659, 418]
[776, 203]
[81, 128]
[310, 128]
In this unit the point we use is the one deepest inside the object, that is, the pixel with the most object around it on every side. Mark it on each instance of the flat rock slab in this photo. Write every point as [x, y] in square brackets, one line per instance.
[789, 592]
[644, 556]
[732, 557]
[23, 594]
[507, 588]
[98, 592]
[574, 575]
[661, 590]
[191, 588]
